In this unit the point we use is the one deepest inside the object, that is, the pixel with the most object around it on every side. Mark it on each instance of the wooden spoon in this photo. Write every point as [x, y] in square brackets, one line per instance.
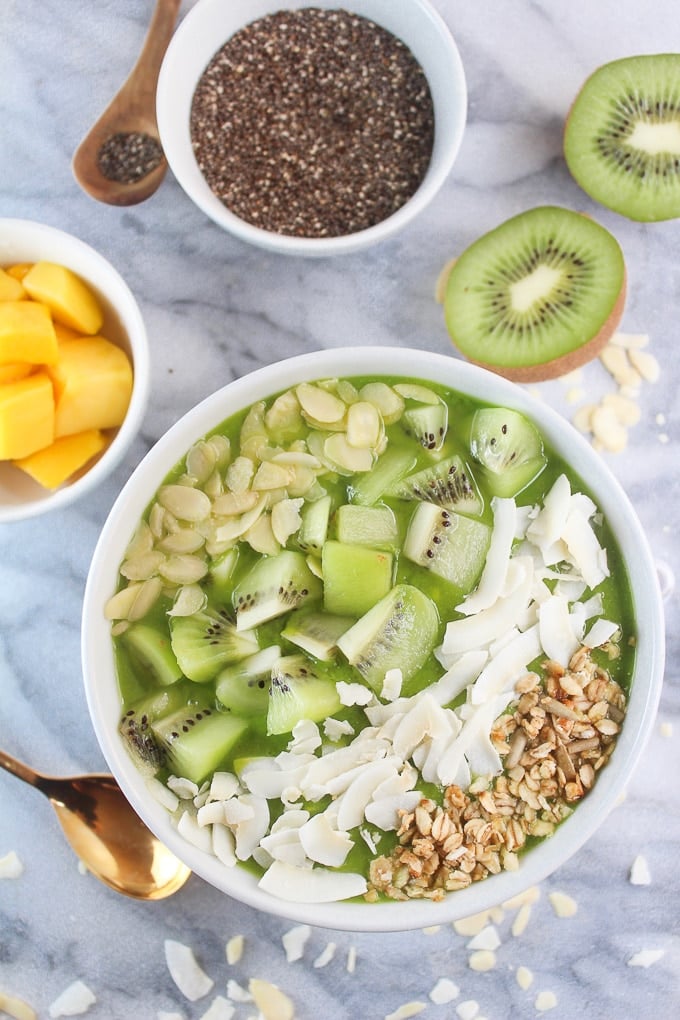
[136, 164]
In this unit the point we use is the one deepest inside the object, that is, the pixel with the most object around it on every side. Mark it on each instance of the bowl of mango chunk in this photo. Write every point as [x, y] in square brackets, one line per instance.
[74, 368]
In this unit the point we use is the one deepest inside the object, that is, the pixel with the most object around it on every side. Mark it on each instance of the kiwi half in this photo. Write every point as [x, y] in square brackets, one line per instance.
[622, 137]
[538, 296]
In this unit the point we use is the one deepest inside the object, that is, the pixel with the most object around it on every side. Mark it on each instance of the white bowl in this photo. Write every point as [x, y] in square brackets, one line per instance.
[208, 26]
[98, 659]
[25, 241]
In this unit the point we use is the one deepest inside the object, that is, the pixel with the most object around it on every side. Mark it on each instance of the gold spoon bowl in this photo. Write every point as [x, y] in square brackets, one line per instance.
[106, 834]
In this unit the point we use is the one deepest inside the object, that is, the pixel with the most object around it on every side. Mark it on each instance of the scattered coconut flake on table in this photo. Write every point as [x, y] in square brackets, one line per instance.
[185, 971]
[16, 1008]
[351, 965]
[563, 905]
[237, 993]
[486, 939]
[666, 729]
[646, 957]
[294, 941]
[73, 1001]
[639, 872]
[325, 957]
[163, 1015]
[11, 865]
[473, 924]
[444, 991]
[407, 1010]
[219, 1009]
[468, 1010]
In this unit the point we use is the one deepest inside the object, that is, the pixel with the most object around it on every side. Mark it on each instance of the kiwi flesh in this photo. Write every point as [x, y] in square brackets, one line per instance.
[400, 632]
[275, 585]
[196, 738]
[355, 577]
[391, 465]
[538, 296]
[447, 483]
[135, 726]
[299, 690]
[428, 424]
[206, 641]
[448, 544]
[243, 687]
[153, 652]
[622, 137]
[315, 632]
[367, 525]
[508, 447]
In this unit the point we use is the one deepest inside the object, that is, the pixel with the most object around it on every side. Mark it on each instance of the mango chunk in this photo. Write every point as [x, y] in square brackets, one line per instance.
[26, 416]
[69, 299]
[10, 288]
[92, 385]
[27, 333]
[19, 270]
[65, 332]
[56, 463]
[14, 370]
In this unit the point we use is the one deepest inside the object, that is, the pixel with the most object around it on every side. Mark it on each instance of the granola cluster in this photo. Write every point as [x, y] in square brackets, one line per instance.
[561, 732]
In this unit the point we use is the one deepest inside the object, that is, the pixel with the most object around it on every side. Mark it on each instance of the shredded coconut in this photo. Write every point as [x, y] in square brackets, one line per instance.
[73, 1001]
[444, 991]
[325, 957]
[10, 865]
[294, 942]
[639, 872]
[646, 957]
[189, 977]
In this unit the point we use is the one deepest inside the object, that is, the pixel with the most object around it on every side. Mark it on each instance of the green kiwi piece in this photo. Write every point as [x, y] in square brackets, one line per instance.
[299, 690]
[367, 488]
[196, 739]
[622, 137]
[450, 545]
[400, 632]
[274, 586]
[314, 527]
[448, 483]
[315, 632]
[207, 641]
[367, 525]
[508, 447]
[428, 424]
[538, 296]
[243, 687]
[152, 650]
[355, 577]
[135, 726]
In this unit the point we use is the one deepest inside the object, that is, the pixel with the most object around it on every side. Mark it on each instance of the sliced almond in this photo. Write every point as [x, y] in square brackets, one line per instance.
[616, 361]
[190, 599]
[630, 339]
[240, 474]
[388, 402]
[363, 425]
[348, 458]
[222, 448]
[133, 602]
[141, 567]
[270, 1000]
[16, 1008]
[625, 409]
[608, 429]
[185, 502]
[141, 541]
[347, 391]
[414, 391]
[183, 569]
[319, 404]
[200, 461]
[646, 364]
[260, 536]
[286, 519]
[271, 476]
[186, 540]
[230, 503]
[284, 417]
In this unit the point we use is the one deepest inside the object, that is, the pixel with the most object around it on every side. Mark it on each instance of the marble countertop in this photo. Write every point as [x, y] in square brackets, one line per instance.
[216, 309]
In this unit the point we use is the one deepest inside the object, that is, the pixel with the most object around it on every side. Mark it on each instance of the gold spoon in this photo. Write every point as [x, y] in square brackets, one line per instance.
[106, 834]
[125, 140]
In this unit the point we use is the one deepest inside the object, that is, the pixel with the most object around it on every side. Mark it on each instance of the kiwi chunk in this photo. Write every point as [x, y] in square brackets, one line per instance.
[315, 632]
[538, 296]
[448, 483]
[208, 640]
[355, 577]
[152, 650]
[275, 585]
[299, 690]
[135, 726]
[509, 448]
[391, 465]
[367, 525]
[197, 739]
[400, 631]
[314, 527]
[243, 687]
[622, 137]
[450, 545]
[428, 424]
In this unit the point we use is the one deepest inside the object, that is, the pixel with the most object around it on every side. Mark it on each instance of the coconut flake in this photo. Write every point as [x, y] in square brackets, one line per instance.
[237, 993]
[220, 1009]
[384, 813]
[646, 957]
[639, 872]
[324, 844]
[190, 830]
[497, 559]
[556, 632]
[317, 885]
[505, 667]
[189, 977]
[426, 719]
[250, 831]
[353, 694]
[444, 991]
[391, 688]
[11, 865]
[600, 633]
[352, 804]
[481, 629]
[584, 549]
[487, 938]
[294, 941]
[545, 531]
[325, 957]
[73, 1001]
[224, 845]
[224, 785]
[336, 729]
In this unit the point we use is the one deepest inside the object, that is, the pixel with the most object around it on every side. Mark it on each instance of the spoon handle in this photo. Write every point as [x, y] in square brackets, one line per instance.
[141, 83]
[18, 769]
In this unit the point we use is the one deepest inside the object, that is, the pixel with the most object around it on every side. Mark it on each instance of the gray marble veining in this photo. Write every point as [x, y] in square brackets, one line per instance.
[215, 309]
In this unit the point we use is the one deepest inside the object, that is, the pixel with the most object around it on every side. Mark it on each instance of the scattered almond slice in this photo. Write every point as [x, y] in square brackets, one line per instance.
[563, 905]
[234, 949]
[219, 1009]
[482, 960]
[524, 978]
[521, 920]
[473, 924]
[468, 1010]
[626, 410]
[409, 1009]
[617, 362]
[545, 1001]
[629, 340]
[270, 1000]
[16, 1008]
[608, 429]
[645, 364]
[73, 1001]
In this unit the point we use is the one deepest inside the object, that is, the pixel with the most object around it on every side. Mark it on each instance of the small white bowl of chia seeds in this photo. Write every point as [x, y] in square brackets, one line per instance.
[309, 129]
[372, 765]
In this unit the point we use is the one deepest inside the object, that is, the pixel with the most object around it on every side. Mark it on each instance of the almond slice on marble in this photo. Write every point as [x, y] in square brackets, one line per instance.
[270, 1000]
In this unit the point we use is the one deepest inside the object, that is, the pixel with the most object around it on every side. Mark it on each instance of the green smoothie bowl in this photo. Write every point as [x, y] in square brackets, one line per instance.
[372, 650]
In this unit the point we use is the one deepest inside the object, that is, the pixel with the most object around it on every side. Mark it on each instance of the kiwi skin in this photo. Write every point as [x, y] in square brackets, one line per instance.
[550, 368]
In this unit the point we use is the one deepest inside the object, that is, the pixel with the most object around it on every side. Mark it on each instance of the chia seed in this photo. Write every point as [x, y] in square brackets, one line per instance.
[313, 123]
[127, 157]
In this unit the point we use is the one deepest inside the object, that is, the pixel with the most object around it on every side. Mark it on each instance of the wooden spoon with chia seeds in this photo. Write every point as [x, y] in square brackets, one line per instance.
[120, 161]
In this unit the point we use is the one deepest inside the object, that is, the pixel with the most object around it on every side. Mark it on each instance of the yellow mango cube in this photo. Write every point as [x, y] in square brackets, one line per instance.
[54, 464]
[65, 332]
[26, 416]
[19, 270]
[10, 288]
[27, 333]
[69, 299]
[92, 385]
